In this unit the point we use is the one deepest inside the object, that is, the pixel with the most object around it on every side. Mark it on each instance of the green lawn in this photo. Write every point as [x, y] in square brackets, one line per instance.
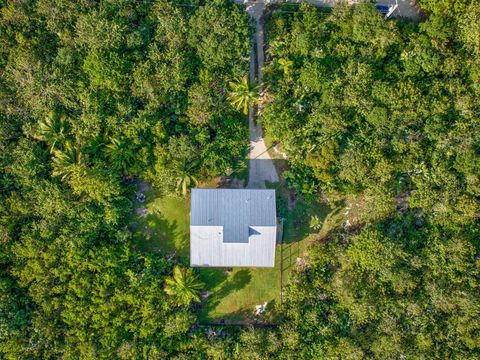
[231, 297]
[166, 228]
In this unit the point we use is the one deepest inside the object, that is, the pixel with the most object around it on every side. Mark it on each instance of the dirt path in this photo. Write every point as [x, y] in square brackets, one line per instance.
[261, 167]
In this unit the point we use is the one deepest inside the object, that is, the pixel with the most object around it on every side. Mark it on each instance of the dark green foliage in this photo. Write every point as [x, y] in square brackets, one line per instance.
[98, 94]
[390, 289]
[93, 96]
[369, 104]
[388, 111]
[446, 7]
[218, 34]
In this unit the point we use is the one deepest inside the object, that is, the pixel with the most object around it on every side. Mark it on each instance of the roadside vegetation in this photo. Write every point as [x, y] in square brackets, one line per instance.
[384, 114]
[112, 110]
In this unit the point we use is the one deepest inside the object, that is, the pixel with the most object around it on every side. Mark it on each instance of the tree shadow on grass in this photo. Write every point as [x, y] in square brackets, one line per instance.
[169, 237]
[234, 283]
[280, 165]
[222, 285]
[155, 233]
[297, 212]
[299, 228]
[160, 223]
[247, 316]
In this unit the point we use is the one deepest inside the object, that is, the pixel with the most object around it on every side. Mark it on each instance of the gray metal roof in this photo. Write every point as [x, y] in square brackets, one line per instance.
[232, 227]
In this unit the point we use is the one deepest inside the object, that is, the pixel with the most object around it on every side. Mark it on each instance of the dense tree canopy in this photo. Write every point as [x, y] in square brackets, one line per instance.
[379, 107]
[95, 95]
[446, 7]
[388, 112]
[99, 94]
[390, 290]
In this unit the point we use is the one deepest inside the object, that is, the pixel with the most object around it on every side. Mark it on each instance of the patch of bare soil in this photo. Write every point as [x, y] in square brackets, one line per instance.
[144, 187]
[292, 199]
[141, 211]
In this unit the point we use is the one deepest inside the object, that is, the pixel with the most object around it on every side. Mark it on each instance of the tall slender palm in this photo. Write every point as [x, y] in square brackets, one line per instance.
[285, 65]
[184, 285]
[185, 178]
[51, 130]
[243, 94]
[121, 154]
[65, 162]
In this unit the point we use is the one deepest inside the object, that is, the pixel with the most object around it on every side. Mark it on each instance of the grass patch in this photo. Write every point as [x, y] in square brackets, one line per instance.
[270, 143]
[297, 212]
[166, 226]
[232, 297]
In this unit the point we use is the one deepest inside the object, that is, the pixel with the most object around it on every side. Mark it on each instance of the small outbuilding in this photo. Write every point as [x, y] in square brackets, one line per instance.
[233, 228]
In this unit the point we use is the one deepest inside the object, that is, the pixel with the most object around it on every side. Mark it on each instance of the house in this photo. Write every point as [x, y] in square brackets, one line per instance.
[233, 227]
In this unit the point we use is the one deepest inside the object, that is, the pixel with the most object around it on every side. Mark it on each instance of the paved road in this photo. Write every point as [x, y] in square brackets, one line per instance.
[406, 8]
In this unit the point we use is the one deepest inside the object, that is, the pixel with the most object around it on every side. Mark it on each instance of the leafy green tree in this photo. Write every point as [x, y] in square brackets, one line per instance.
[445, 7]
[285, 65]
[470, 28]
[220, 34]
[202, 104]
[95, 31]
[65, 163]
[145, 99]
[372, 104]
[385, 112]
[364, 293]
[106, 70]
[185, 182]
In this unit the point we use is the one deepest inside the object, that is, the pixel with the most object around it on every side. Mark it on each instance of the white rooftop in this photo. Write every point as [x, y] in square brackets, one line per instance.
[233, 227]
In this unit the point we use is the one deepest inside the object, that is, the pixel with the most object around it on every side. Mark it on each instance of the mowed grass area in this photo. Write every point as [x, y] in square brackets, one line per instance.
[231, 296]
[166, 226]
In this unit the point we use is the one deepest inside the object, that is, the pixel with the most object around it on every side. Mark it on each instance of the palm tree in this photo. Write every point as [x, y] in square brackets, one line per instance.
[65, 162]
[242, 94]
[184, 285]
[285, 65]
[185, 178]
[51, 131]
[121, 155]
[185, 182]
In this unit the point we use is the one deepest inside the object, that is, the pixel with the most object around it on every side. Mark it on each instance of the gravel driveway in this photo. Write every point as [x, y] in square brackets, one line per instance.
[260, 164]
